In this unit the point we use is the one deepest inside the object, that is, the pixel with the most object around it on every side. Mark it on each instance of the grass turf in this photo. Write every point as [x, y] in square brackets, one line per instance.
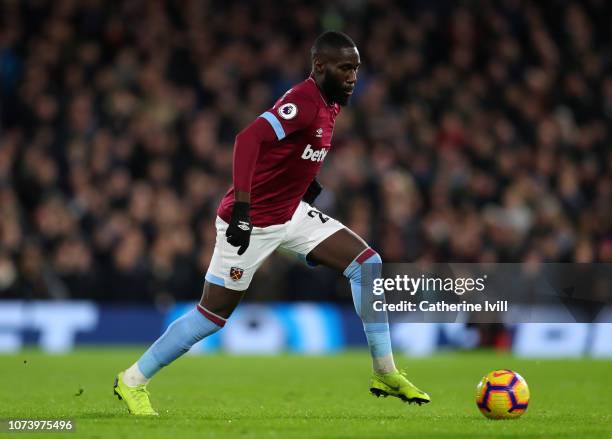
[291, 396]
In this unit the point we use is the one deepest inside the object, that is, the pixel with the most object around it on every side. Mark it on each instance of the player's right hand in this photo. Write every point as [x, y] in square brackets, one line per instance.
[238, 232]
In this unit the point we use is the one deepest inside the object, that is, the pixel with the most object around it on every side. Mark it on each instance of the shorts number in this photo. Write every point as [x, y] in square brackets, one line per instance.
[313, 213]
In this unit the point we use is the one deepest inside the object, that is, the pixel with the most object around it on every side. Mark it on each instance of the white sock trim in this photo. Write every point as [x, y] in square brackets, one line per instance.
[383, 364]
[133, 376]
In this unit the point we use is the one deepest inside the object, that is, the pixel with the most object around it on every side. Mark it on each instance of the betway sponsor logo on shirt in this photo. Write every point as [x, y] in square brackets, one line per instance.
[314, 155]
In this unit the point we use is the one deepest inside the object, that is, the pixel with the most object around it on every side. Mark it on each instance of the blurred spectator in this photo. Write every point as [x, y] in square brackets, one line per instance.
[479, 131]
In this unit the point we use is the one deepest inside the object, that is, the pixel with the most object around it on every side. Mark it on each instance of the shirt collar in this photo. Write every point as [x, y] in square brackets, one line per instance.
[310, 78]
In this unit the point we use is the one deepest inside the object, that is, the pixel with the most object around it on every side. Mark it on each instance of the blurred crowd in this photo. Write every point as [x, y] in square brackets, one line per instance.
[479, 131]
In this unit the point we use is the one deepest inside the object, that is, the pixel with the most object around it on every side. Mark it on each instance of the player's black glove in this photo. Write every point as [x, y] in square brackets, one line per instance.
[312, 192]
[238, 232]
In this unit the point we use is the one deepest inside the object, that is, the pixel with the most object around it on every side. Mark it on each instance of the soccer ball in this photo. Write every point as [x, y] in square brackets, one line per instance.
[502, 394]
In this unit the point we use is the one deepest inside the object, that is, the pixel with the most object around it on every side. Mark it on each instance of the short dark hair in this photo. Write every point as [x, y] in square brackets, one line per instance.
[331, 40]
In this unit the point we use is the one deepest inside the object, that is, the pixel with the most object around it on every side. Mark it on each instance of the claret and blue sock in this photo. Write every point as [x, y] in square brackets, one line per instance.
[377, 333]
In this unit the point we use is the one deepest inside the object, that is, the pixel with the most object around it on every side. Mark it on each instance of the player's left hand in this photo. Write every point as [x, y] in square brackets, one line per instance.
[238, 232]
[312, 192]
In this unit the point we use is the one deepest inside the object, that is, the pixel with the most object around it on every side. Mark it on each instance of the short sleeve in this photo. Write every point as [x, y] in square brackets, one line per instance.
[291, 113]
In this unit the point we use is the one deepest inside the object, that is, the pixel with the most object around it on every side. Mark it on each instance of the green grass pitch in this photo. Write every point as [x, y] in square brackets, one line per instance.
[295, 397]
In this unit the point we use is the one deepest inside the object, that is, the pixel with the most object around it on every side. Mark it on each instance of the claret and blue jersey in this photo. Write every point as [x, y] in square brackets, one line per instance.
[303, 124]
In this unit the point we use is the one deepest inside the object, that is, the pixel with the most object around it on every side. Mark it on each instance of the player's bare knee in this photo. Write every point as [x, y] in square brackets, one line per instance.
[219, 300]
[338, 250]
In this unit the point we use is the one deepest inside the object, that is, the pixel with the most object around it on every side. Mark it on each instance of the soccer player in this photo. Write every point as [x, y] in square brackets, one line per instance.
[269, 207]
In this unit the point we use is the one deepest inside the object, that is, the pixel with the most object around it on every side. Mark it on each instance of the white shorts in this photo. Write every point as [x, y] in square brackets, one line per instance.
[307, 228]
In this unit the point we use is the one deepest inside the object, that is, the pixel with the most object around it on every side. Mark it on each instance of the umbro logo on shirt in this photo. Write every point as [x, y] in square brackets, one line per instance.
[314, 155]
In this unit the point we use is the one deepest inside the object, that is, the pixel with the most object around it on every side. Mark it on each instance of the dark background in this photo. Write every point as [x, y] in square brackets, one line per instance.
[479, 131]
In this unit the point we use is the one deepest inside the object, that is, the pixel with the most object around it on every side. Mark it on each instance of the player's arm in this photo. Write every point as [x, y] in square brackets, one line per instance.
[246, 149]
[290, 114]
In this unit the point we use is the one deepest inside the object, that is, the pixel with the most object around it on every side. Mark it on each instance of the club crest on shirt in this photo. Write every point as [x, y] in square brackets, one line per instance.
[287, 111]
[236, 273]
[319, 132]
